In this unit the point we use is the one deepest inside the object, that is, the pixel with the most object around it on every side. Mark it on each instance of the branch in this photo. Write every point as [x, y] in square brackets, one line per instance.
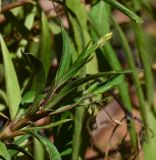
[15, 4]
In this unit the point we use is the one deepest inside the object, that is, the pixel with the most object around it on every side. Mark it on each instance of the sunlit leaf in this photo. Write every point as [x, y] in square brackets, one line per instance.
[4, 152]
[29, 20]
[12, 85]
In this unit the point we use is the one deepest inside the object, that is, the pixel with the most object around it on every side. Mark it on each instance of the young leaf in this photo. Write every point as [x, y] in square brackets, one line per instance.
[51, 149]
[99, 88]
[125, 10]
[85, 57]
[12, 85]
[4, 152]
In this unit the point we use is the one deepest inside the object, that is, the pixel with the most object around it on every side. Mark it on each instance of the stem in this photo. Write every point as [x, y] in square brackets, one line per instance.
[79, 119]
[12, 129]
[14, 5]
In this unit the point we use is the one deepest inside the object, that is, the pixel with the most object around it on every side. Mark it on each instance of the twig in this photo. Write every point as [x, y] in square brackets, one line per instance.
[10, 6]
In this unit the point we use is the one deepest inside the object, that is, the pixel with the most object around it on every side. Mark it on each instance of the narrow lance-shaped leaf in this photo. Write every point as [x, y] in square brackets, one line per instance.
[38, 70]
[145, 58]
[100, 88]
[66, 56]
[18, 142]
[129, 56]
[125, 10]
[110, 54]
[18, 149]
[45, 50]
[4, 152]
[50, 148]
[69, 88]
[85, 56]
[12, 85]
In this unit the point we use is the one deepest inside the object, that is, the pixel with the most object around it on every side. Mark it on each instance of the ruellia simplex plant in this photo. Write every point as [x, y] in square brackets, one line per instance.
[56, 66]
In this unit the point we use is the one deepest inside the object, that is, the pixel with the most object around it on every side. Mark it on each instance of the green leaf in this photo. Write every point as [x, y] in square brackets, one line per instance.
[145, 58]
[4, 152]
[79, 23]
[20, 149]
[29, 20]
[66, 56]
[150, 145]
[12, 85]
[80, 11]
[50, 147]
[100, 13]
[130, 59]
[38, 150]
[28, 97]
[110, 54]
[84, 57]
[66, 152]
[39, 72]
[18, 142]
[125, 10]
[54, 27]
[3, 115]
[99, 88]
[72, 86]
[45, 50]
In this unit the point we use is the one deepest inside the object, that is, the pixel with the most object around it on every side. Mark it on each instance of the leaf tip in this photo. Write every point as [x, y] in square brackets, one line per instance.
[104, 39]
